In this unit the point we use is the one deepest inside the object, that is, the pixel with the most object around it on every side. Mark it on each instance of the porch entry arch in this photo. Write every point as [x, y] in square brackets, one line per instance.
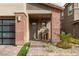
[40, 26]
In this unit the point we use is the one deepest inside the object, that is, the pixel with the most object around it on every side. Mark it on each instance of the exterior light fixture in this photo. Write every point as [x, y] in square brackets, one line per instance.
[18, 18]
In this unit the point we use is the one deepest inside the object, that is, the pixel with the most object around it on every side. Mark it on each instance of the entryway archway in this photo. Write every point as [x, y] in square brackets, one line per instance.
[40, 25]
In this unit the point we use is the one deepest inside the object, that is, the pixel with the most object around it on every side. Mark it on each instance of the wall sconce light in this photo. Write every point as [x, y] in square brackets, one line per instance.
[18, 18]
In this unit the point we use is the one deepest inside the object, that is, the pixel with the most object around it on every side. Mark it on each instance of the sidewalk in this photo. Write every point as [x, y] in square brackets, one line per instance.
[9, 50]
[37, 49]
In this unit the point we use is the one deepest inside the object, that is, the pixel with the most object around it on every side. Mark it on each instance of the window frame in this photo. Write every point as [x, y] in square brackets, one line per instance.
[62, 14]
[70, 10]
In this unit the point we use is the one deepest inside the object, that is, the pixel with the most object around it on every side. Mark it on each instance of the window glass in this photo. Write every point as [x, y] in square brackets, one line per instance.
[70, 10]
[0, 41]
[0, 22]
[62, 13]
[8, 41]
[8, 28]
[0, 35]
[0, 28]
[34, 24]
[8, 35]
[8, 22]
[78, 5]
[7, 31]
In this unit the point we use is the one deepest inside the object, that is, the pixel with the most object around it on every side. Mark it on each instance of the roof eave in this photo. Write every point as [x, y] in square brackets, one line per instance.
[54, 6]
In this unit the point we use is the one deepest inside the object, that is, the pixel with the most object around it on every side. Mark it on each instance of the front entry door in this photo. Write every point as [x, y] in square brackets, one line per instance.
[7, 31]
[35, 29]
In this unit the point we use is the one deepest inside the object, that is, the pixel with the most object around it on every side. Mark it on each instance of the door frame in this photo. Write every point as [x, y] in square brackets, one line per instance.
[37, 21]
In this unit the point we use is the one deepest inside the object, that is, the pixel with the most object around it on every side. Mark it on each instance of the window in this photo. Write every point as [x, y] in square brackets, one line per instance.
[70, 10]
[78, 5]
[34, 24]
[62, 14]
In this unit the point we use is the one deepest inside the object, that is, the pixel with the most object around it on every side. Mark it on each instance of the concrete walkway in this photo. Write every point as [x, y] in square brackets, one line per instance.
[9, 50]
[37, 49]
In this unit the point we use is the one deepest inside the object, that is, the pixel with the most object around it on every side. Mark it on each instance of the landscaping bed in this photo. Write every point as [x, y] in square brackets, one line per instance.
[24, 50]
[67, 40]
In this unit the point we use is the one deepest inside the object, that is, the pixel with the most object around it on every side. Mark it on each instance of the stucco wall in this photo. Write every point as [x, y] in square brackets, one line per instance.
[37, 8]
[8, 9]
[49, 28]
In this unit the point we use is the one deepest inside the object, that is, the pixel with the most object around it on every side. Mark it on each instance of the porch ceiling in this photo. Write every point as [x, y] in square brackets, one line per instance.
[40, 16]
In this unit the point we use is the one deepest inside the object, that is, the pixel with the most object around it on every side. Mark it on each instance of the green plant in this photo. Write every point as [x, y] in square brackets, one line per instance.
[64, 45]
[65, 37]
[49, 47]
[74, 41]
[24, 50]
[65, 42]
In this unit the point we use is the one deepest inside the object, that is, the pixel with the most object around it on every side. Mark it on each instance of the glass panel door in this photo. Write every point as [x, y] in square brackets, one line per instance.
[34, 30]
[7, 31]
[1, 31]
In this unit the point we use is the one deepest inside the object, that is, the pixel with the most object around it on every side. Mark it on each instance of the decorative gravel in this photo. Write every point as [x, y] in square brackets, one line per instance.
[37, 49]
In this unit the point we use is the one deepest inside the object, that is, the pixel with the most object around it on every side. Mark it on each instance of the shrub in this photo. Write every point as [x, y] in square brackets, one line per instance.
[65, 42]
[74, 41]
[49, 47]
[64, 45]
[24, 50]
[65, 37]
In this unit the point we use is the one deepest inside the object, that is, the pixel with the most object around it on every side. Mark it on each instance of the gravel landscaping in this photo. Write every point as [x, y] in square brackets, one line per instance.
[37, 49]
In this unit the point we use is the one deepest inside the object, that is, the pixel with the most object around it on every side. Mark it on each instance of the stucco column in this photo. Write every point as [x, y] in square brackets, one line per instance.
[55, 25]
[27, 28]
[21, 30]
[49, 28]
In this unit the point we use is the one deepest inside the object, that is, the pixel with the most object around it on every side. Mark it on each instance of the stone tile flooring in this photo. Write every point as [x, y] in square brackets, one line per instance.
[9, 50]
[37, 49]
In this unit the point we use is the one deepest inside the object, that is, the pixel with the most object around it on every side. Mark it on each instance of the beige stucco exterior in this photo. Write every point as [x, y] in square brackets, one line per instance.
[8, 9]
[37, 8]
[39, 11]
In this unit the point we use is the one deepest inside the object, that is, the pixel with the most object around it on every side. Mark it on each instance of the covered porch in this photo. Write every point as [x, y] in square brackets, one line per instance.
[40, 27]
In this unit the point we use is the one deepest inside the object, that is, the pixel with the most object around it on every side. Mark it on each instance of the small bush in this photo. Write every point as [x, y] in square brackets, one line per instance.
[24, 50]
[65, 42]
[65, 37]
[74, 41]
[64, 45]
[49, 47]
